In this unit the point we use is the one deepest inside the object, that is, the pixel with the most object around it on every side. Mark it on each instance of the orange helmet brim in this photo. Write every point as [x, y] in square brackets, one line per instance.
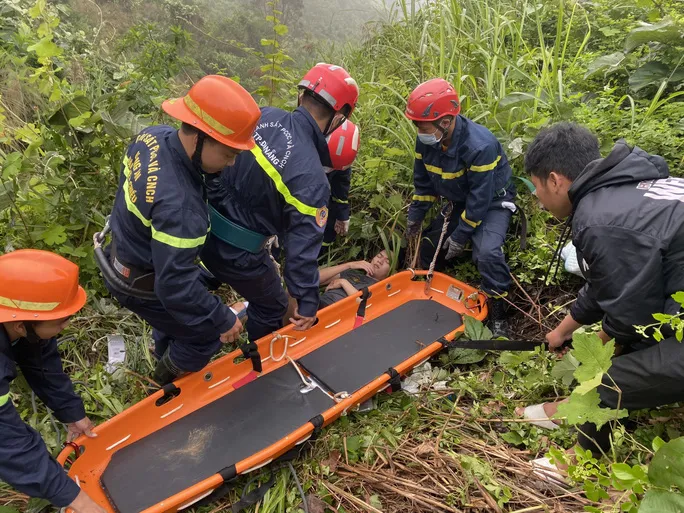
[177, 109]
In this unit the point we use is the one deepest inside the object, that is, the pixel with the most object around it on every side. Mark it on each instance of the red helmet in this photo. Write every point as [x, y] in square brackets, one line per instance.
[333, 85]
[343, 144]
[432, 100]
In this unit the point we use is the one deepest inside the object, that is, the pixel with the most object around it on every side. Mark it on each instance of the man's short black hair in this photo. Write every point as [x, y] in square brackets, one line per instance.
[565, 148]
[317, 107]
[189, 129]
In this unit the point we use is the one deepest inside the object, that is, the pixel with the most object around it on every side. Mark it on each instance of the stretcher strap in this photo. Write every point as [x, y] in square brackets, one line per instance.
[493, 345]
[395, 379]
[361, 312]
[251, 351]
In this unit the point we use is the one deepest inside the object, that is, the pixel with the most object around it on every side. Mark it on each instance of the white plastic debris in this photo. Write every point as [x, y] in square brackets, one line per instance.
[116, 352]
[421, 378]
[569, 255]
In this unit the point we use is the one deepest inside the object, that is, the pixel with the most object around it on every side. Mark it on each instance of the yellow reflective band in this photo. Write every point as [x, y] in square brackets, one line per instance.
[417, 197]
[280, 185]
[445, 176]
[170, 240]
[337, 200]
[27, 305]
[177, 242]
[197, 110]
[469, 222]
[4, 399]
[488, 167]
[419, 156]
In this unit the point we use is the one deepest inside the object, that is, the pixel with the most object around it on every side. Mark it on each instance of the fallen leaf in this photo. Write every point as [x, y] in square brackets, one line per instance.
[316, 505]
[332, 461]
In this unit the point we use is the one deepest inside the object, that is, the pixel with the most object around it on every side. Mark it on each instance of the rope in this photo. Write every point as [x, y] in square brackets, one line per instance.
[273, 241]
[446, 214]
[278, 336]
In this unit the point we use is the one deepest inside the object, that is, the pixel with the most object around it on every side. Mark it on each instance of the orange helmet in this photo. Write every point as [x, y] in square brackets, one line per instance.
[38, 285]
[343, 145]
[219, 107]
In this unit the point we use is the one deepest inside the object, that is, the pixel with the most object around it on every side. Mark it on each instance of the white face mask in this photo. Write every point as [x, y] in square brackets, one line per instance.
[430, 139]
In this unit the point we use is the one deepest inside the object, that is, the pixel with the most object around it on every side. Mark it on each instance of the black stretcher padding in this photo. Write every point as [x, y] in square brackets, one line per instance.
[358, 357]
[210, 440]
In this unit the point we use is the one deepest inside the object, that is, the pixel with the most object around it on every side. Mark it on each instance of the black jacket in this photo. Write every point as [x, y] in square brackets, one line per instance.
[628, 228]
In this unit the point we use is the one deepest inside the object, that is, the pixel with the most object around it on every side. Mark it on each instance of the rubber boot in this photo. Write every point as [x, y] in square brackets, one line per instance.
[497, 318]
[166, 371]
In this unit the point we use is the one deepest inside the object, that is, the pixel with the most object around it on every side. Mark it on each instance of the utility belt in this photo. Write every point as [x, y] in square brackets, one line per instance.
[236, 235]
[121, 277]
[136, 278]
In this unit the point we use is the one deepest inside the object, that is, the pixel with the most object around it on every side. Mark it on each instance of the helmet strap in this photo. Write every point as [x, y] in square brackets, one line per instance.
[197, 156]
[328, 128]
[31, 334]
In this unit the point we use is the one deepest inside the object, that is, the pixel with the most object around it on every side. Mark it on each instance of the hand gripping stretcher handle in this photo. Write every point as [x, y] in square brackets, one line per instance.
[116, 283]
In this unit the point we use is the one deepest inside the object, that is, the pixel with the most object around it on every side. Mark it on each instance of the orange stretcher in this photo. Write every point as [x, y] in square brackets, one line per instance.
[185, 441]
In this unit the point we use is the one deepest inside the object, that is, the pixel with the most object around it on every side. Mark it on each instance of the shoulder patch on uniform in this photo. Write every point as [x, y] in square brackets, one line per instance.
[322, 216]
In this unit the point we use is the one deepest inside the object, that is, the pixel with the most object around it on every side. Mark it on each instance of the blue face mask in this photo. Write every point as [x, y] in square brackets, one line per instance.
[429, 139]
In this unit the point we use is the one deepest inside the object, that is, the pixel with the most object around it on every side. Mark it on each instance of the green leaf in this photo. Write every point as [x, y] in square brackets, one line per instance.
[54, 235]
[657, 443]
[459, 356]
[8, 509]
[628, 474]
[6, 195]
[667, 466]
[37, 9]
[664, 32]
[593, 355]
[45, 48]
[36, 505]
[653, 73]
[12, 165]
[513, 437]
[513, 359]
[585, 408]
[280, 29]
[658, 501]
[475, 330]
[588, 385]
[679, 297]
[606, 63]
[565, 368]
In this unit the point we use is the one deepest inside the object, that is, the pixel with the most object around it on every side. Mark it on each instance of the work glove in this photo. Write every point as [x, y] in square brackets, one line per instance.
[342, 227]
[453, 248]
[412, 229]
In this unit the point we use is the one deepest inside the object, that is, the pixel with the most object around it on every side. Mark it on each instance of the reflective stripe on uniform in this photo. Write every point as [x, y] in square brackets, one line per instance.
[4, 399]
[338, 200]
[445, 176]
[27, 305]
[469, 222]
[280, 185]
[488, 167]
[417, 197]
[170, 240]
